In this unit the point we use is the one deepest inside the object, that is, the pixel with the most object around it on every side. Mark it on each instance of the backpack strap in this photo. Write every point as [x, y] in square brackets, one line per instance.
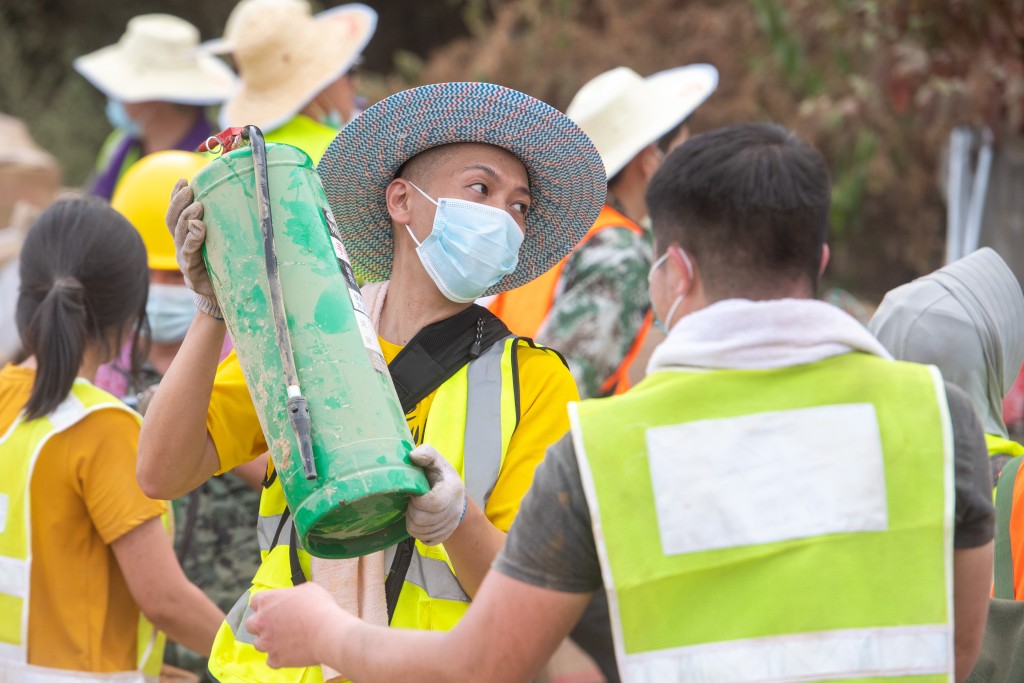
[430, 358]
[440, 350]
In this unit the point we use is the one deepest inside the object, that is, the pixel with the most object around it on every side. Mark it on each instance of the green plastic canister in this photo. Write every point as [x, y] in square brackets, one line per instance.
[361, 441]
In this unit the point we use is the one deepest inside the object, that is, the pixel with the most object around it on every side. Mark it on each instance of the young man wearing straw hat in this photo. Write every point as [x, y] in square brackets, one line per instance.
[442, 194]
[157, 84]
[295, 67]
[593, 305]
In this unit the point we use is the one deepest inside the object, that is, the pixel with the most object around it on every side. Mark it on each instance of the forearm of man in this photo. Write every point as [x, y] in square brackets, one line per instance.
[504, 638]
[161, 590]
[473, 547]
[176, 453]
[972, 581]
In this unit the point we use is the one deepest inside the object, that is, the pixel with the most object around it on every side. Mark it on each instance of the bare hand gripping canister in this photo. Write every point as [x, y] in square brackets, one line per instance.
[305, 343]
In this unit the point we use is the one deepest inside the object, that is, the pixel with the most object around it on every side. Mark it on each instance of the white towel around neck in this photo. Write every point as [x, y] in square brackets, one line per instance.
[746, 335]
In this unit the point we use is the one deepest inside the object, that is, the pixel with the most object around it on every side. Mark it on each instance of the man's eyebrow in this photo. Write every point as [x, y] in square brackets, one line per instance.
[487, 170]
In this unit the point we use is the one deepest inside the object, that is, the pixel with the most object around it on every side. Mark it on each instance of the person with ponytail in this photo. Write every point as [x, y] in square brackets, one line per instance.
[88, 577]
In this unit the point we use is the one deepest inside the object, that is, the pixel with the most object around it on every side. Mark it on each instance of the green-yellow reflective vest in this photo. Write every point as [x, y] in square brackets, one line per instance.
[19, 449]
[310, 136]
[789, 524]
[475, 410]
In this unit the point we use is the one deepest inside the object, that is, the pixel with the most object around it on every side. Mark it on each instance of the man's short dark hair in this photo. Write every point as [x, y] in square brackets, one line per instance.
[750, 203]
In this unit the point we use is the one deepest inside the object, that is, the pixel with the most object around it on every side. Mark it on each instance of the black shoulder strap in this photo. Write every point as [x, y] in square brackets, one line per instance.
[440, 350]
[436, 353]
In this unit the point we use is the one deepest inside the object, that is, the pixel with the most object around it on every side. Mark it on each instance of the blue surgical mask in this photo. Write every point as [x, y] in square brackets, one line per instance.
[119, 119]
[470, 247]
[666, 325]
[170, 309]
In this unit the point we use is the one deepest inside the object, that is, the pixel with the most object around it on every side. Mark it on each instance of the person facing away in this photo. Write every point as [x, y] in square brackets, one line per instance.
[215, 541]
[753, 508]
[298, 83]
[441, 193]
[593, 305]
[157, 84]
[89, 573]
[966, 319]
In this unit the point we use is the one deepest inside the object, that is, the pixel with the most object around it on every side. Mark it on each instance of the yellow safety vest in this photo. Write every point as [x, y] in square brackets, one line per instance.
[795, 527]
[300, 131]
[19, 449]
[476, 411]
[997, 445]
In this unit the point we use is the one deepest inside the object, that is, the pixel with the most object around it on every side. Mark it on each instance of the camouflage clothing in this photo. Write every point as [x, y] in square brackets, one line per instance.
[218, 549]
[215, 541]
[600, 303]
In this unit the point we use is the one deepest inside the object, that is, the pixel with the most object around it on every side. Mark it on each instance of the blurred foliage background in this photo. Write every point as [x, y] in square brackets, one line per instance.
[876, 85]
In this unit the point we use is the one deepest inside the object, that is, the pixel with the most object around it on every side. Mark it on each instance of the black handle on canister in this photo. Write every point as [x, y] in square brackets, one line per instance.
[298, 410]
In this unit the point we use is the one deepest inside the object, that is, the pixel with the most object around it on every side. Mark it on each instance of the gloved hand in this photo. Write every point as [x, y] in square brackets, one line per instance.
[432, 517]
[184, 220]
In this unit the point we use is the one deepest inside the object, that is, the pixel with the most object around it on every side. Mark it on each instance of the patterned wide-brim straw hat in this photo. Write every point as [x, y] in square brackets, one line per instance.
[567, 180]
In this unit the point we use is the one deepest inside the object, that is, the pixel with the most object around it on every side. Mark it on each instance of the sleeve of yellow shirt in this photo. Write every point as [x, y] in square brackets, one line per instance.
[231, 418]
[546, 387]
[105, 445]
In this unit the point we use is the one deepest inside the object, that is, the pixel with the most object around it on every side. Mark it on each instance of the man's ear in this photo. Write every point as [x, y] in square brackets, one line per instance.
[651, 157]
[397, 196]
[825, 254]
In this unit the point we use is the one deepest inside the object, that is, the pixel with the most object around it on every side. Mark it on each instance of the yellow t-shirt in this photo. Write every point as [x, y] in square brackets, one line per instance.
[84, 496]
[417, 417]
[546, 388]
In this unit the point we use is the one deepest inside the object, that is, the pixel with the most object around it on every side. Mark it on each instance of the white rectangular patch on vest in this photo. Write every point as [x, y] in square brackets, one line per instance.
[768, 477]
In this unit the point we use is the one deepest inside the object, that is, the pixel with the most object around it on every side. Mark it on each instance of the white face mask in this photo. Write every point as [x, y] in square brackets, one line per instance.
[170, 309]
[470, 247]
[666, 325]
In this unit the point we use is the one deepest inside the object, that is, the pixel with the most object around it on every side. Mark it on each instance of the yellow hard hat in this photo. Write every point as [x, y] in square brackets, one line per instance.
[143, 193]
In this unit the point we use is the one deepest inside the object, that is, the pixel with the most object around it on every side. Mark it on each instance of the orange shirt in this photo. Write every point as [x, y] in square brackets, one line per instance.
[84, 496]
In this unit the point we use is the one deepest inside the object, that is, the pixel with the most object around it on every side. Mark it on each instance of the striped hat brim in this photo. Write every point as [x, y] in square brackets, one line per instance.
[567, 180]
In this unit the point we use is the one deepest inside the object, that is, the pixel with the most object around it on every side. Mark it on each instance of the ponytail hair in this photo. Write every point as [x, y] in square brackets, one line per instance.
[84, 283]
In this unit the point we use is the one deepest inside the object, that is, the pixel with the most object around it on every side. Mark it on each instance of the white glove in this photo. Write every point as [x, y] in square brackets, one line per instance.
[434, 516]
[184, 220]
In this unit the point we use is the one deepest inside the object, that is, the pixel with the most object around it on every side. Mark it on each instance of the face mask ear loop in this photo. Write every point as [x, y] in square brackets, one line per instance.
[654, 268]
[418, 243]
[429, 198]
[671, 312]
[686, 262]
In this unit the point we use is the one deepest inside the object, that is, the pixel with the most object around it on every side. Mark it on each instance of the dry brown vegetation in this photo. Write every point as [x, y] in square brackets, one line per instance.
[875, 85]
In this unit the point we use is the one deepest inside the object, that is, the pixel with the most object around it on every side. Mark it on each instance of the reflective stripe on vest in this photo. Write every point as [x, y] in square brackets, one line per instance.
[20, 448]
[476, 411]
[525, 309]
[490, 380]
[799, 483]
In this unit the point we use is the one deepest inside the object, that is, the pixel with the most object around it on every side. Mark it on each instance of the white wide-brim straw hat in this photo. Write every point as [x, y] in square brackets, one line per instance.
[623, 112]
[158, 59]
[286, 56]
[567, 181]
